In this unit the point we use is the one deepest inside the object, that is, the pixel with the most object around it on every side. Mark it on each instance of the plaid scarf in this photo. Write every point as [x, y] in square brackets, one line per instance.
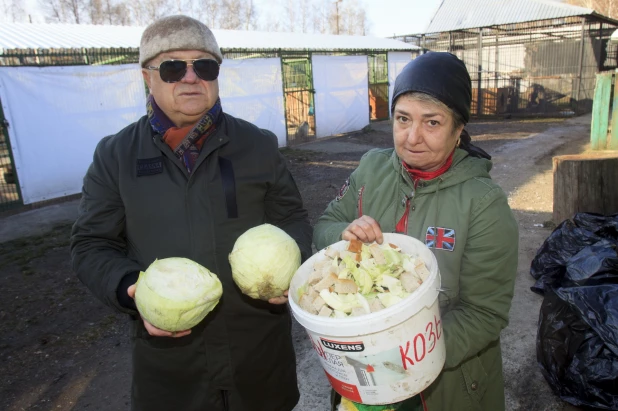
[189, 149]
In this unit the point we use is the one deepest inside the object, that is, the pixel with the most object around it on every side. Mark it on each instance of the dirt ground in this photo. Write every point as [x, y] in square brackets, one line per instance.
[60, 349]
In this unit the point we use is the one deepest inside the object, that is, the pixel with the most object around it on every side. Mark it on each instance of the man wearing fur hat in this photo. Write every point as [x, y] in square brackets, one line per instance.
[187, 180]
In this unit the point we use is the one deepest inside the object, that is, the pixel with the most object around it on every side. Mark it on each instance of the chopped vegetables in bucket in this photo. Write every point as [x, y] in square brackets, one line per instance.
[362, 279]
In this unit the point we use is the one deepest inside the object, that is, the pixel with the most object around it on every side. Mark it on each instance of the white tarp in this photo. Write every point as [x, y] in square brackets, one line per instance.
[44, 36]
[341, 94]
[396, 63]
[252, 90]
[56, 117]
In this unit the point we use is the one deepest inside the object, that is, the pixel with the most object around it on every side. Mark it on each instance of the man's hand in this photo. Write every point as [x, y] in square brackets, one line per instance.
[280, 300]
[154, 331]
[364, 229]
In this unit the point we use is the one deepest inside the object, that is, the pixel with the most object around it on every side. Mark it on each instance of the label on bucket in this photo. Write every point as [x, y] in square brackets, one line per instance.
[385, 367]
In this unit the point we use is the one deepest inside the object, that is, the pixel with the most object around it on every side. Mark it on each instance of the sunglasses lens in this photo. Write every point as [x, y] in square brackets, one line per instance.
[172, 71]
[206, 69]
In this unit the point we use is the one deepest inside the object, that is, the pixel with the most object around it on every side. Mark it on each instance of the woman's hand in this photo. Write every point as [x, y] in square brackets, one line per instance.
[154, 331]
[364, 229]
[280, 300]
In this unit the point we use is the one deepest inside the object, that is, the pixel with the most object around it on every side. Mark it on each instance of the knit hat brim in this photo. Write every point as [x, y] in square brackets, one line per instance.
[177, 33]
[441, 75]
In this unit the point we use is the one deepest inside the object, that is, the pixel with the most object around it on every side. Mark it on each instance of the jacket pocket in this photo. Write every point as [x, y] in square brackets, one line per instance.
[475, 379]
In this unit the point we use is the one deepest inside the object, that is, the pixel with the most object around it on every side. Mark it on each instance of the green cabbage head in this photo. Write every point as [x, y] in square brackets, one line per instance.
[175, 294]
[263, 261]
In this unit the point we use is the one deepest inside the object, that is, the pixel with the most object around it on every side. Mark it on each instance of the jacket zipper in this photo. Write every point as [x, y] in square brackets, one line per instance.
[402, 225]
[360, 201]
[424, 403]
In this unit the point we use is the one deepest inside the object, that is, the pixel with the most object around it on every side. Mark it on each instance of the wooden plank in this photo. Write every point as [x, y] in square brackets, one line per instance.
[612, 138]
[600, 111]
[585, 183]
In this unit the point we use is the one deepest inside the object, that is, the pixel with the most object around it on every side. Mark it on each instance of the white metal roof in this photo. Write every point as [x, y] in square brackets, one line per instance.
[46, 36]
[466, 14]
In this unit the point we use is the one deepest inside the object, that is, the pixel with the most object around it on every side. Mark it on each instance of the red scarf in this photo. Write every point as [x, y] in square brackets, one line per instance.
[416, 176]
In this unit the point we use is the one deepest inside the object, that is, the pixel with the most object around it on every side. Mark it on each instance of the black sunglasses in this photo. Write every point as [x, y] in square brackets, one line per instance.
[172, 71]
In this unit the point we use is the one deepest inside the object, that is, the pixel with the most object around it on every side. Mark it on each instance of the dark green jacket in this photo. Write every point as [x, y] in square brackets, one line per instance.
[139, 204]
[475, 241]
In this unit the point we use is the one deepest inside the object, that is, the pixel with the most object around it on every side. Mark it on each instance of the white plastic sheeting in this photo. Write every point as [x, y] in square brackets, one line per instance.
[43, 36]
[396, 62]
[341, 94]
[56, 117]
[252, 90]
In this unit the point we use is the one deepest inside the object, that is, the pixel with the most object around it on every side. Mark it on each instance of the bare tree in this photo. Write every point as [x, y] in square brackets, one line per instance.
[97, 12]
[76, 9]
[209, 12]
[304, 15]
[352, 19]
[120, 14]
[183, 7]
[145, 12]
[65, 11]
[231, 15]
[608, 8]
[271, 23]
[12, 10]
[321, 16]
[290, 9]
[317, 16]
[335, 18]
[55, 11]
[250, 16]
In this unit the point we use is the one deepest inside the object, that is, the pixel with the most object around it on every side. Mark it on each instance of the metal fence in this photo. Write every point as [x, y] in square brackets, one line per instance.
[378, 86]
[298, 94]
[68, 57]
[542, 68]
[9, 193]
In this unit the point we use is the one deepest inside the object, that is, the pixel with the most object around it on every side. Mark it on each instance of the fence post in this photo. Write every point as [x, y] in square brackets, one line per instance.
[600, 111]
[479, 96]
[7, 203]
[612, 143]
[581, 63]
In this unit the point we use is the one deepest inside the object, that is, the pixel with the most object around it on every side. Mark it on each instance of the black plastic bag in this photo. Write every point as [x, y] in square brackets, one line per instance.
[603, 226]
[577, 339]
[579, 361]
[568, 239]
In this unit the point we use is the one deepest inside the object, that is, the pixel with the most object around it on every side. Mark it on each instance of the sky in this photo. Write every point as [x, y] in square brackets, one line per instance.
[390, 17]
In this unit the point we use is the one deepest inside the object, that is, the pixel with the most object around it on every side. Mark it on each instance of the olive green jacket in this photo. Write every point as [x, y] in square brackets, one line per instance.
[138, 204]
[465, 219]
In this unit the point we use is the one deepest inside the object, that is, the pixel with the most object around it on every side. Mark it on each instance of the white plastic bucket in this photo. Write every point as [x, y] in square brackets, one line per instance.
[383, 357]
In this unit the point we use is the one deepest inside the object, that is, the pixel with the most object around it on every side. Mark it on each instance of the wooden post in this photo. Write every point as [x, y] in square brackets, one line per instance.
[585, 183]
[600, 111]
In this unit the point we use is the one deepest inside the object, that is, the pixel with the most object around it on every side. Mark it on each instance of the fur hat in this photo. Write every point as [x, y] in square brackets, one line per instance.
[177, 33]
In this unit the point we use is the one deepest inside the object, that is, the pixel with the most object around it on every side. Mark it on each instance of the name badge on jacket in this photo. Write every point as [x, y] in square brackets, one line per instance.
[149, 166]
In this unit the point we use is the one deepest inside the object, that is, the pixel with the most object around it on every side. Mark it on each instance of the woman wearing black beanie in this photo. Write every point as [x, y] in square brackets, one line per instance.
[435, 186]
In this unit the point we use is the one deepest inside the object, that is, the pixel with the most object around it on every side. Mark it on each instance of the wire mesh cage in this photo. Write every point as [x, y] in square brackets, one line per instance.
[538, 68]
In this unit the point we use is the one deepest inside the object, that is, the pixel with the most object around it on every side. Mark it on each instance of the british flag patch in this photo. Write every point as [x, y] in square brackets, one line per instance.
[440, 238]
